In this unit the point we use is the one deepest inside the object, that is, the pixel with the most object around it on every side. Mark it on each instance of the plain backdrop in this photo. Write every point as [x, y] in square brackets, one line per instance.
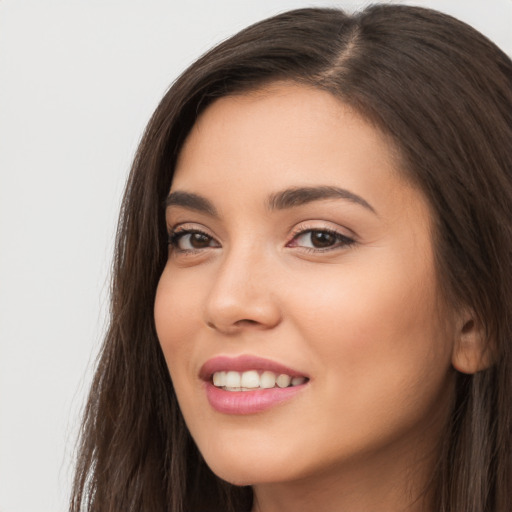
[78, 82]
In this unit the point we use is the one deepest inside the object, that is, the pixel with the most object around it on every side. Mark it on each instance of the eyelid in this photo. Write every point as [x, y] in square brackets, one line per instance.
[178, 231]
[347, 240]
[322, 225]
[189, 227]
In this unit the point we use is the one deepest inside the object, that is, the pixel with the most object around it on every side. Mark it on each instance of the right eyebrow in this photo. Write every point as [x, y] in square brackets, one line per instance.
[191, 201]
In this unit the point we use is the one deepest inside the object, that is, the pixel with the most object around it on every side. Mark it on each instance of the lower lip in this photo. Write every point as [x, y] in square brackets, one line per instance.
[248, 402]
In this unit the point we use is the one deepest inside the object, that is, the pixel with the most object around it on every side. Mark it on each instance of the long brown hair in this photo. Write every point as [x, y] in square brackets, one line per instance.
[443, 93]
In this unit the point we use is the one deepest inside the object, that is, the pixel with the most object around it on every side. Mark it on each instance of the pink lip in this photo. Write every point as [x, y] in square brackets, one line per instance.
[246, 402]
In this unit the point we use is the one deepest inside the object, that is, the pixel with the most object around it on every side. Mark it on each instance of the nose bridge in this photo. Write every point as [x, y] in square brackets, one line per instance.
[242, 291]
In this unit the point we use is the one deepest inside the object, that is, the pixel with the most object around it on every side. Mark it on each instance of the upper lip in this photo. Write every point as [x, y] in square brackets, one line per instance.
[244, 363]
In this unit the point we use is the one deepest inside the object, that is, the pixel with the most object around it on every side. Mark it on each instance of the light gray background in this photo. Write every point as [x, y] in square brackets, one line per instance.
[78, 82]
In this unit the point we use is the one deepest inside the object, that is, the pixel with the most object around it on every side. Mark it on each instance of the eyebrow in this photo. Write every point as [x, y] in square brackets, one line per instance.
[191, 201]
[289, 198]
[298, 196]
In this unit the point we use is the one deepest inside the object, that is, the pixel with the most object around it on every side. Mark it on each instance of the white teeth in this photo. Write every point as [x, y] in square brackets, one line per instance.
[283, 381]
[219, 379]
[252, 379]
[232, 380]
[267, 380]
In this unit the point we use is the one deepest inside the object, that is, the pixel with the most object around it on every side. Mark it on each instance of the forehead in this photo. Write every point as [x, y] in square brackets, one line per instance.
[288, 135]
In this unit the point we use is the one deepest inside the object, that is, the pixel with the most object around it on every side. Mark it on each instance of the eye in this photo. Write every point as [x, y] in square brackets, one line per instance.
[320, 239]
[189, 240]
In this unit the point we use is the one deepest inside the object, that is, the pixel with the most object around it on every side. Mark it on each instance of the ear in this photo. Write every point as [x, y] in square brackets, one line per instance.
[471, 350]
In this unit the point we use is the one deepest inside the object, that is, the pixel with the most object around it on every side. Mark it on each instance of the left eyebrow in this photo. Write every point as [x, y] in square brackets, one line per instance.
[298, 196]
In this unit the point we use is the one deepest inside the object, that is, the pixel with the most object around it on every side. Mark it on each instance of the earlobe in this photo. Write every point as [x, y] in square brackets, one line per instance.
[471, 350]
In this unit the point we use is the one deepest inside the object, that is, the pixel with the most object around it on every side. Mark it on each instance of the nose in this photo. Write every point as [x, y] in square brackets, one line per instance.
[243, 295]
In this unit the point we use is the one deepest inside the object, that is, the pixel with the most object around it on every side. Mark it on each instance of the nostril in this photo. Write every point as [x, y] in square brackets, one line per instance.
[246, 321]
[235, 326]
[238, 322]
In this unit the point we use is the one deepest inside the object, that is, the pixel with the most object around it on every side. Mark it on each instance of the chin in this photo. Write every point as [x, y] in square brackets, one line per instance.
[243, 476]
[242, 466]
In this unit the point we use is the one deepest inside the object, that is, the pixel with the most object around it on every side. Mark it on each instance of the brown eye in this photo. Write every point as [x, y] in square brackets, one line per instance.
[199, 240]
[321, 239]
[191, 240]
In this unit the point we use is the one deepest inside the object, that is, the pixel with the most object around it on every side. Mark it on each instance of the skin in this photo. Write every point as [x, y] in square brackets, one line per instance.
[362, 320]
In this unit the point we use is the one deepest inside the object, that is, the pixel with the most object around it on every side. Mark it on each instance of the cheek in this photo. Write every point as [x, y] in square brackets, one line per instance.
[375, 330]
[174, 322]
[367, 304]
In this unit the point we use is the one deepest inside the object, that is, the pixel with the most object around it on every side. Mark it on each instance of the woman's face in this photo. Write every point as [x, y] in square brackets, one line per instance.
[297, 249]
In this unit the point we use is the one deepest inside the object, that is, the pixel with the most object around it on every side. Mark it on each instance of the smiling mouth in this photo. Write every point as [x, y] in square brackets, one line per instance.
[241, 399]
[252, 380]
[248, 384]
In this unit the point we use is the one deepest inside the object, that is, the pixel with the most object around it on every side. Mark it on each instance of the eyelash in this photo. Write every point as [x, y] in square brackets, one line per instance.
[340, 239]
[174, 237]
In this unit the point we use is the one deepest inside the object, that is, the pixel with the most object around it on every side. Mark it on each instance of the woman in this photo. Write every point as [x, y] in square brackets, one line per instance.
[312, 281]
